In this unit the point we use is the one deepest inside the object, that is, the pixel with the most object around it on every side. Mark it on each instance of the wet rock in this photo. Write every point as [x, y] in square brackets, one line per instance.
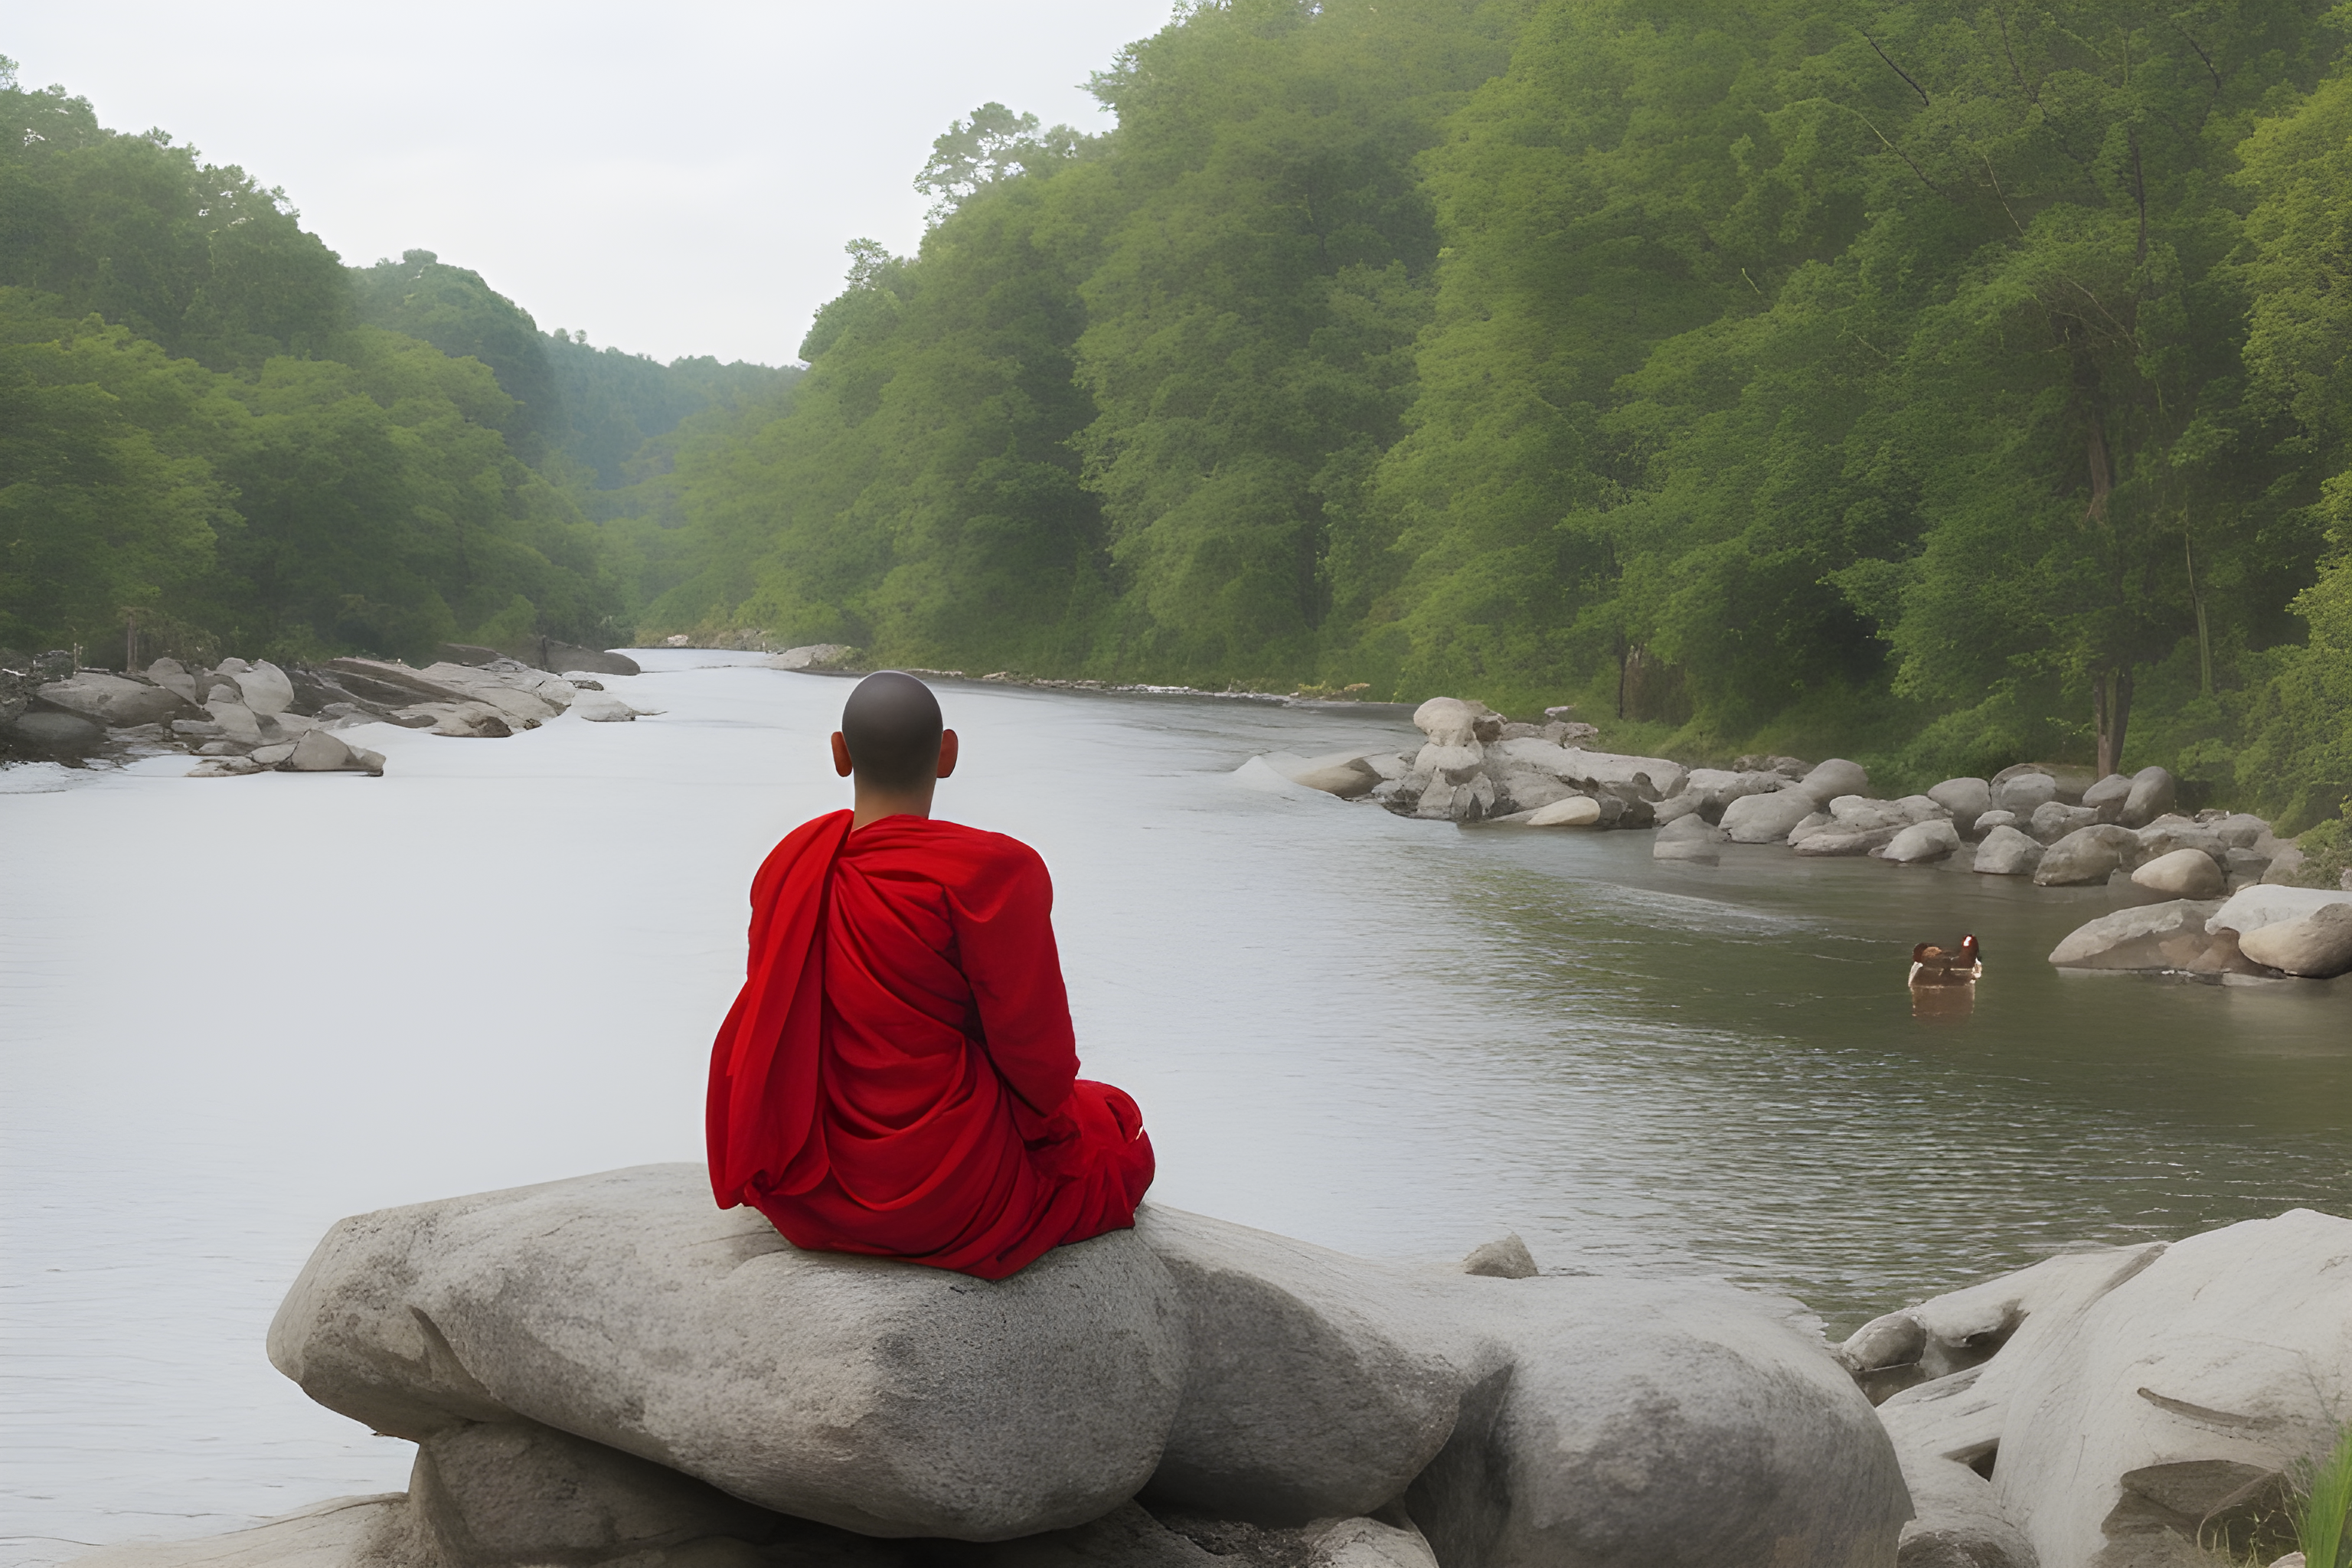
[1837, 839]
[2182, 874]
[2006, 852]
[2318, 946]
[2223, 956]
[1837, 777]
[1766, 818]
[1676, 808]
[1691, 851]
[1966, 799]
[2170, 935]
[223, 768]
[114, 702]
[1575, 811]
[2152, 795]
[2105, 799]
[2085, 856]
[1921, 843]
[1507, 1258]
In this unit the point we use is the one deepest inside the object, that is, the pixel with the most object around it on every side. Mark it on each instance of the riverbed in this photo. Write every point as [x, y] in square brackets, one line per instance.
[234, 1010]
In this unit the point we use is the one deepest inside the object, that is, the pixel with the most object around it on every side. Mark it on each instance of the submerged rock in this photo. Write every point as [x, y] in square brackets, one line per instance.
[2316, 946]
[1921, 843]
[2170, 935]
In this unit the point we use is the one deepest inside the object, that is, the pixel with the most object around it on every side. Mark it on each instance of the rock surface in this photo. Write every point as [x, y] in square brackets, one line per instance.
[2084, 856]
[114, 702]
[1921, 843]
[2318, 946]
[1766, 818]
[2170, 935]
[1831, 779]
[2152, 795]
[2182, 874]
[1572, 811]
[1250, 1377]
[1966, 799]
[2253, 908]
[2006, 852]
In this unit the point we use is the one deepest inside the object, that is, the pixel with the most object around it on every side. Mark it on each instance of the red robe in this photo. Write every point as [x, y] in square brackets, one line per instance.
[899, 1075]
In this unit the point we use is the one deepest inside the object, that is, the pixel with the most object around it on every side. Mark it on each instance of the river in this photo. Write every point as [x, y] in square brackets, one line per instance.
[232, 1011]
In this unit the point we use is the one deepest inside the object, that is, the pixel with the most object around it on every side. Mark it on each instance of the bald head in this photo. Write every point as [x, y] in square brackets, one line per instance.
[891, 723]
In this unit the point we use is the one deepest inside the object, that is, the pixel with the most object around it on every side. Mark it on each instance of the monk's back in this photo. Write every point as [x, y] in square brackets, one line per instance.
[900, 1076]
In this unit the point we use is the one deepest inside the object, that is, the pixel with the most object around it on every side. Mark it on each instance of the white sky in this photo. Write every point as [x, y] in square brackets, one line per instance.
[673, 179]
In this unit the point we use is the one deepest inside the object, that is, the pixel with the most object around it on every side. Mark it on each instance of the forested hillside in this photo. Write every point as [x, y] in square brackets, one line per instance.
[213, 430]
[1938, 383]
[1951, 382]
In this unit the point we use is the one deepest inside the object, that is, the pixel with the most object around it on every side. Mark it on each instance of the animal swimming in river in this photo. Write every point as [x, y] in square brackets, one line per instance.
[1931, 966]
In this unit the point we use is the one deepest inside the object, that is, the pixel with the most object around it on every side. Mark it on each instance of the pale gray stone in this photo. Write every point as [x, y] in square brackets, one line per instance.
[226, 767]
[879, 1397]
[1859, 814]
[173, 676]
[1766, 818]
[1836, 839]
[2166, 834]
[1689, 851]
[52, 731]
[2242, 830]
[2318, 946]
[1989, 820]
[237, 720]
[265, 688]
[271, 756]
[1506, 1258]
[1680, 806]
[2084, 856]
[1455, 764]
[2227, 1353]
[1814, 822]
[2182, 874]
[2021, 792]
[1715, 788]
[1570, 811]
[2269, 904]
[2170, 935]
[2052, 820]
[2006, 852]
[2152, 795]
[319, 753]
[1966, 799]
[1827, 781]
[1448, 720]
[1922, 842]
[809, 656]
[2285, 868]
[114, 701]
[2106, 797]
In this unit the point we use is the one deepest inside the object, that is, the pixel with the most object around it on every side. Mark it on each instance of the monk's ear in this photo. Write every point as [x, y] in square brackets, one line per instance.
[841, 763]
[949, 751]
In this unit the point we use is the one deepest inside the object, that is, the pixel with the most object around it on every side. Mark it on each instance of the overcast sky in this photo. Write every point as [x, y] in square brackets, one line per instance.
[674, 180]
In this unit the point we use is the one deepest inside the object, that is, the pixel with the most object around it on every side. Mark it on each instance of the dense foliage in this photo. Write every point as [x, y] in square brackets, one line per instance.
[212, 429]
[1958, 383]
[1939, 382]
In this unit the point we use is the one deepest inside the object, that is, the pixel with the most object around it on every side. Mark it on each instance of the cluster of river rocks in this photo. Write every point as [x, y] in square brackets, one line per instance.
[242, 717]
[610, 1373]
[2209, 891]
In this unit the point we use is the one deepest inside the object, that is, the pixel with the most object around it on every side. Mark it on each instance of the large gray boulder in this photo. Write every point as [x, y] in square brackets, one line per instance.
[1715, 788]
[2053, 819]
[1966, 799]
[2252, 909]
[2166, 834]
[2241, 830]
[882, 1397]
[2006, 852]
[1859, 814]
[1827, 781]
[113, 701]
[2182, 874]
[1836, 839]
[2170, 935]
[46, 730]
[2084, 856]
[1449, 720]
[1921, 843]
[266, 687]
[2318, 946]
[2023, 791]
[2153, 791]
[1527, 1421]
[2225, 1358]
[2105, 799]
[1766, 818]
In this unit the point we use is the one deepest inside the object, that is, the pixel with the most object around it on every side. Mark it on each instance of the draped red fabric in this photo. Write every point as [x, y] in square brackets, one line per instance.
[898, 1075]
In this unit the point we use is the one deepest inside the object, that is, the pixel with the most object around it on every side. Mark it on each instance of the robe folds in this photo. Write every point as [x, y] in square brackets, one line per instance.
[899, 1075]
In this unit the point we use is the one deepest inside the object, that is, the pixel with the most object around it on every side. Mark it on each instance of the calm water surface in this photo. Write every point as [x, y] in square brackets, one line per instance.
[231, 1011]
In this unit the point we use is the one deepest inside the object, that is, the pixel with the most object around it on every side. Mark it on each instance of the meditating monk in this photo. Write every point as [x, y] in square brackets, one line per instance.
[899, 1075]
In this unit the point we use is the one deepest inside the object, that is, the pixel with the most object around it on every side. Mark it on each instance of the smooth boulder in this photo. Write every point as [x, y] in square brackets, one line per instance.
[2170, 935]
[2105, 799]
[2085, 856]
[1967, 799]
[1828, 779]
[884, 1398]
[1574, 811]
[265, 688]
[1921, 843]
[63, 733]
[2252, 909]
[2153, 791]
[1766, 818]
[2183, 874]
[2053, 819]
[2318, 946]
[2006, 852]
[2021, 792]
[114, 701]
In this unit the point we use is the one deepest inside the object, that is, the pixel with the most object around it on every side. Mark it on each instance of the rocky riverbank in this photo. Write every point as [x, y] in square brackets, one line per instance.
[246, 717]
[609, 1370]
[2055, 826]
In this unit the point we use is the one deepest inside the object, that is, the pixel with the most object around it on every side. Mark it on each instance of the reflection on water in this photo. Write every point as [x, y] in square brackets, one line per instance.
[1945, 1004]
[503, 963]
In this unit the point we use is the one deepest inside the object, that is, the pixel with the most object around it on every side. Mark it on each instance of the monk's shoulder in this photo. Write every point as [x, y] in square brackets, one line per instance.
[817, 835]
[986, 853]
